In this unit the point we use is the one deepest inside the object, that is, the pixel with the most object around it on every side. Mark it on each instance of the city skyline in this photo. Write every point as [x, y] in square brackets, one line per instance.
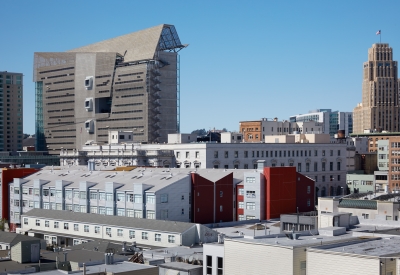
[273, 59]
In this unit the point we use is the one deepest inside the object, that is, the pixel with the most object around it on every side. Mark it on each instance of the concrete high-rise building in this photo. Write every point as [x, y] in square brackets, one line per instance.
[128, 83]
[379, 109]
[11, 115]
[332, 121]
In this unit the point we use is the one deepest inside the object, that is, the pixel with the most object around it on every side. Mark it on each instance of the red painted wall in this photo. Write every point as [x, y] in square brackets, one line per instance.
[238, 199]
[280, 191]
[7, 176]
[203, 199]
[302, 194]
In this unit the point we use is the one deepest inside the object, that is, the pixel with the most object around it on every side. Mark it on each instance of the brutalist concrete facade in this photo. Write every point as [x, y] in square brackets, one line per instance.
[126, 83]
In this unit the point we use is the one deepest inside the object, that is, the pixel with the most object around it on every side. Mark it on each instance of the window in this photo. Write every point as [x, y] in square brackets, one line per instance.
[150, 214]
[157, 237]
[236, 154]
[220, 265]
[315, 166]
[246, 154]
[187, 154]
[109, 196]
[26, 221]
[251, 205]
[47, 224]
[164, 214]
[241, 205]
[129, 197]
[303, 267]
[150, 199]
[250, 194]
[76, 227]
[145, 236]
[164, 198]
[16, 190]
[102, 196]
[197, 154]
[365, 216]
[86, 228]
[215, 154]
[330, 166]
[183, 197]
[307, 167]
[93, 195]
[323, 153]
[331, 153]
[66, 226]
[250, 179]
[323, 166]
[183, 211]
[131, 234]
[171, 239]
[93, 209]
[221, 194]
[120, 196]
[299, 167]
[109, 211]
[308, 189]
[108, 231]
[308, 202]
[241, 192]
[338, 165]
[241, 218]
[120, 232]
[137, 198]
[121, 212]
[209, 264]
[97, 229]
[56, 225]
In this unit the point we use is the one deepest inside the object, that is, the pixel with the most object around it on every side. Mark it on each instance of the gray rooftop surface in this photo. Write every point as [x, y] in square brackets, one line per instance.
[128, 222]
[372, 247]
[181, 266]
[14, 238]
[302, 241]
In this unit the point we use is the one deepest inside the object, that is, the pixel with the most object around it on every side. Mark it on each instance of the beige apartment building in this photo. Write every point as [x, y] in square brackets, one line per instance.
[128, 83]
[379, 109]
[11, 115]
[256, 130]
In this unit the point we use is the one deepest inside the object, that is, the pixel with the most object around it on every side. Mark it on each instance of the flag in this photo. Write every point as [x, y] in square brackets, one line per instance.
[378, 32]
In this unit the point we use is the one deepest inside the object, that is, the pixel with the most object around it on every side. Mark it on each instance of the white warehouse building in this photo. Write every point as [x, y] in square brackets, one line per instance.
[70, 228]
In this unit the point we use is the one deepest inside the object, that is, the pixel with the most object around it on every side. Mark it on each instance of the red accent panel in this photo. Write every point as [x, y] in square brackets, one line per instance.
[8, 176]
[280, 191]
[204, 196]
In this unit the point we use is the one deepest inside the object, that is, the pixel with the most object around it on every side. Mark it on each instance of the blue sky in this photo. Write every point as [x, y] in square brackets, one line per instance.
[246, 59]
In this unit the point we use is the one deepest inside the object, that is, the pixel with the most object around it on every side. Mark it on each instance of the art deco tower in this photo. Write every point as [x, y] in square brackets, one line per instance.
[379, 109]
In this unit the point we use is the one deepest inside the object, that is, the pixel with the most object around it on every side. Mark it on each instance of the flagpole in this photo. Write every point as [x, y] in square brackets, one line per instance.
[380, 37]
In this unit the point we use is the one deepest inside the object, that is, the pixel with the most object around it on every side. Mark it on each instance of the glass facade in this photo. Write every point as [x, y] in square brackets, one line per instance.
[39, 129]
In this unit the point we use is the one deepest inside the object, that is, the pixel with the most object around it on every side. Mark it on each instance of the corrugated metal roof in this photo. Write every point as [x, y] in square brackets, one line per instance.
[155, 225]
[362, 204]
